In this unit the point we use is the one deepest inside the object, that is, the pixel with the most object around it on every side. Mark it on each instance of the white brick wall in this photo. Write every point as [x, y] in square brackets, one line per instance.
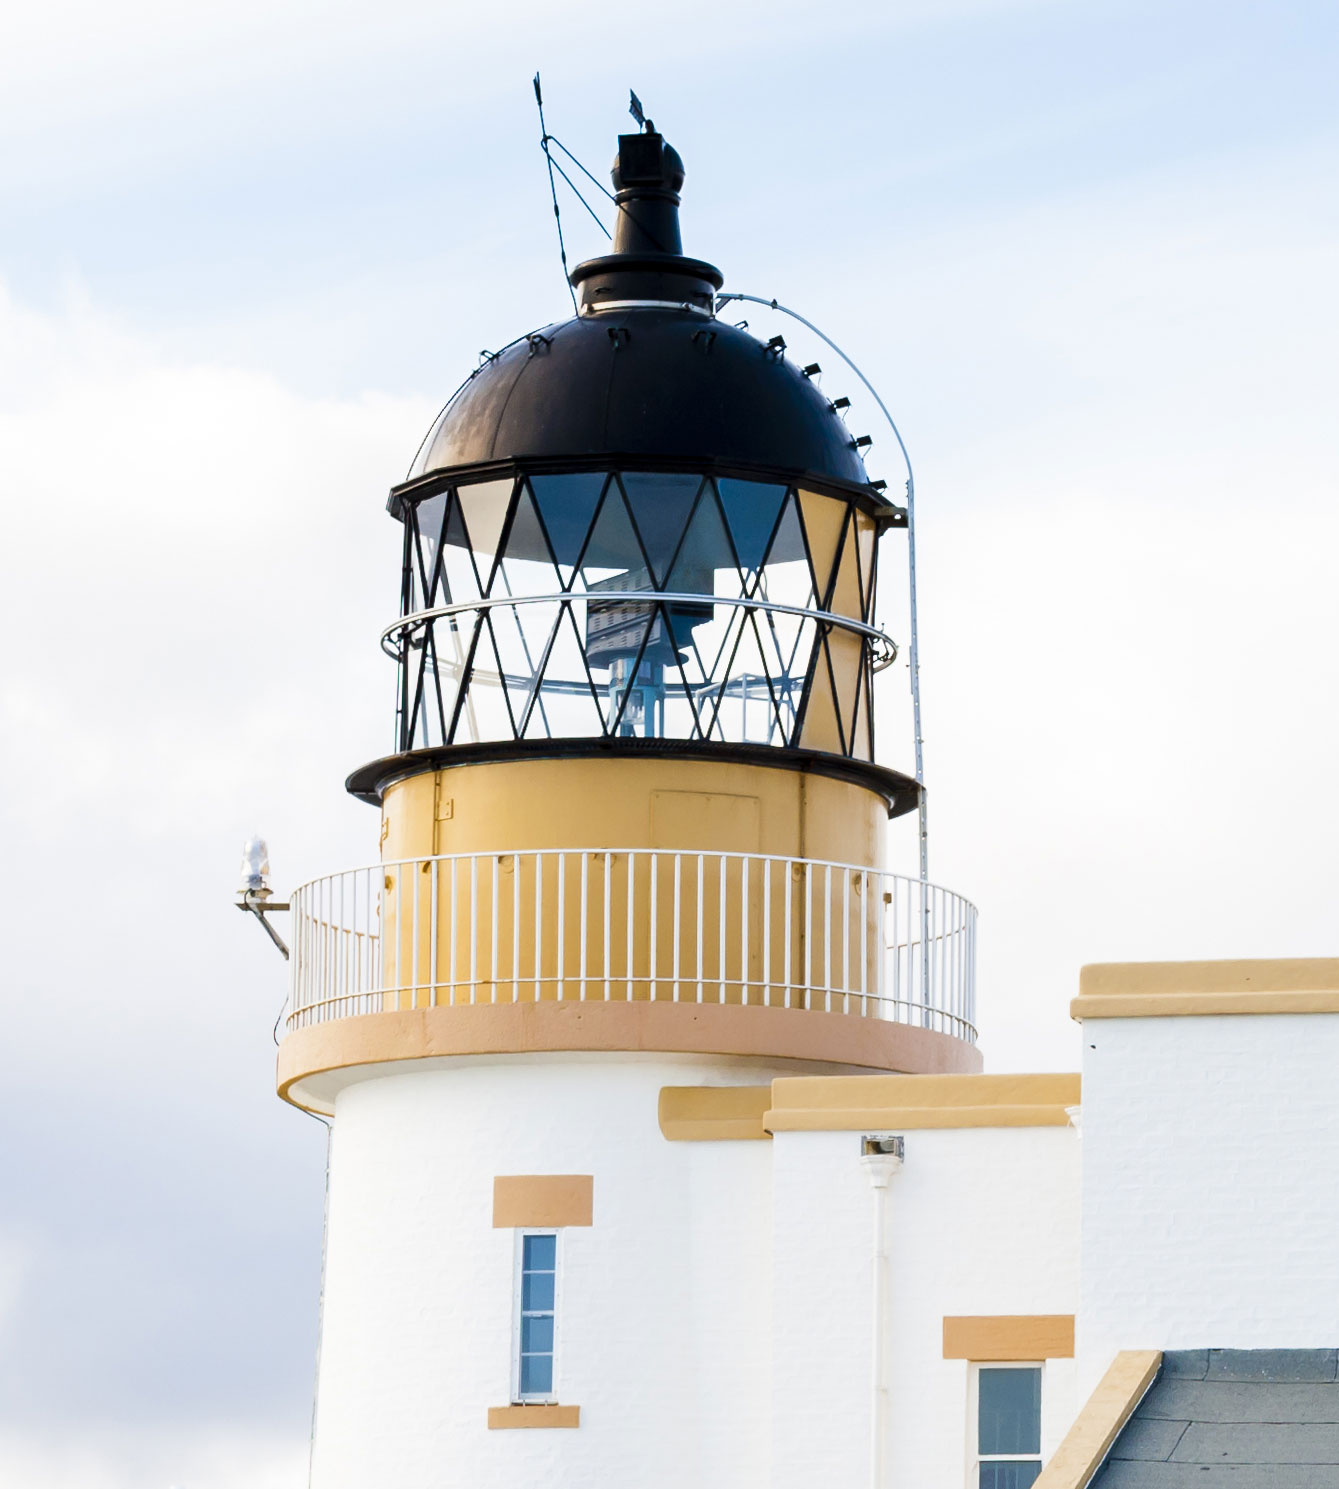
[981, 1221]
[1210, 1184]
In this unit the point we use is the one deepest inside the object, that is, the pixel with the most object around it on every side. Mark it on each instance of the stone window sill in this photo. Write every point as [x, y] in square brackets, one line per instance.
[540, 1415]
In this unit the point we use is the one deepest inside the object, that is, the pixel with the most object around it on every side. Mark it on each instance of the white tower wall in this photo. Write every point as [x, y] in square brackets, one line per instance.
[663, 1310]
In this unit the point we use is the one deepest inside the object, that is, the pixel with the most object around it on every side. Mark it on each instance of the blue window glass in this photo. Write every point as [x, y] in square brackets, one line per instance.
[539, 1264]
[1008, 1417]
[541, 1253]
[1005, 1475]
[1009, 1412]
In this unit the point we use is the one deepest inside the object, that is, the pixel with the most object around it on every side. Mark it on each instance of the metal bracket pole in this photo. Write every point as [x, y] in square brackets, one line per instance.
[255, 905]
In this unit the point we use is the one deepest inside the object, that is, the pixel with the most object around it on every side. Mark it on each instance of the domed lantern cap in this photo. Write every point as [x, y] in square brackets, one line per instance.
[645, 371]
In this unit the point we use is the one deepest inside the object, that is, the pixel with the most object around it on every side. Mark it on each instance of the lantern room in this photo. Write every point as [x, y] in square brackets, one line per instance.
[634, 762]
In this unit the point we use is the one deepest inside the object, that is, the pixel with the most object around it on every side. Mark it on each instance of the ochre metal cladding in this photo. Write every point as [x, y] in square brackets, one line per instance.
[691, 900]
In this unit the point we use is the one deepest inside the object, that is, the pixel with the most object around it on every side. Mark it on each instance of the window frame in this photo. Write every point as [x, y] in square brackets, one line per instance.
[534, 1398]
[975, 1458]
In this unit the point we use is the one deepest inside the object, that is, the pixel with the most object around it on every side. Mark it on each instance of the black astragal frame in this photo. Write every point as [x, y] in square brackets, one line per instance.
[620, 516]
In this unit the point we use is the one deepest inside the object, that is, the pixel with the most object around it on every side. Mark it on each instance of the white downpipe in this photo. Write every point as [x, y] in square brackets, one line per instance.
[880, 1167]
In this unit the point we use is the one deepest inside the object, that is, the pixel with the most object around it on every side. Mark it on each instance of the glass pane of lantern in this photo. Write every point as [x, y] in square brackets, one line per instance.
[866, 536]
[846, 653]
[708, 669]
[862, 742]
[614, 551]
[820, 730]
[426, 521]
[451, 638]
[704, 553]
[786, 578]
[489, 676]
[485, 505]
[566, 505]
[846, 585]
[751, 510]
[568, 693]
[527, 568]
[457, 579]
[660, 503]
[521, 633]
[824, 519]
[744, 707]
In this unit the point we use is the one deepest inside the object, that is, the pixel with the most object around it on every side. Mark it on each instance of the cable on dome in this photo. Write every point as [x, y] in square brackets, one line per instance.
[914, 657]
[553, 191]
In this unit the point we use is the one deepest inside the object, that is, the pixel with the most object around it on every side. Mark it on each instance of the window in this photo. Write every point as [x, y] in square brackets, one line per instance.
[536, 1312]
[1008, 1426]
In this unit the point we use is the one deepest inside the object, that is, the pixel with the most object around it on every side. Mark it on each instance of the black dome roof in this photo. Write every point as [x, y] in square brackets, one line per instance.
[644, 381]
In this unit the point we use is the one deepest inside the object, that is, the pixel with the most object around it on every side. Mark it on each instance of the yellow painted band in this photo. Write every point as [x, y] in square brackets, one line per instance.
[500, 1417]
[1200, 1005]
[1097, 1426]
[713, 1113]
[543, 1199]
[1277, 975]
[913, 1118]
[844, 1103]
[811, 1035]
[1028, 1336]
[1114, 990]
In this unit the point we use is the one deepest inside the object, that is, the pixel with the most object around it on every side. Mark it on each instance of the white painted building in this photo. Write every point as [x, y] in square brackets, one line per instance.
[662, 1152]
[744, 1297]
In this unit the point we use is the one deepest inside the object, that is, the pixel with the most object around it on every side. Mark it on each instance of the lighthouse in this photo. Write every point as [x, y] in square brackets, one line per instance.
[631, 872]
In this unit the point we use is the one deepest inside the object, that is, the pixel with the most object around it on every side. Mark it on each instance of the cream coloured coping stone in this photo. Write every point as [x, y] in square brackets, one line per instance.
[1099, 1424]
[1190, 989]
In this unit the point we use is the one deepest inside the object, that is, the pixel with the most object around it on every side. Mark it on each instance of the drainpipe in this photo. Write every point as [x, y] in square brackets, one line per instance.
[881, 1158]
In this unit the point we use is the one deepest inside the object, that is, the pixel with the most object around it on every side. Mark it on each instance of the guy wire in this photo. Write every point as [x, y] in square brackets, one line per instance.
[553, 192]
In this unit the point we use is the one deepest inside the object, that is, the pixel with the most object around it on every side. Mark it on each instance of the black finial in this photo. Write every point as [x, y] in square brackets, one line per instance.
[646, 261]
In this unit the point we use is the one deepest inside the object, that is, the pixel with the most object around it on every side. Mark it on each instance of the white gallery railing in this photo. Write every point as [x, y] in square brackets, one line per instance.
[633, 926]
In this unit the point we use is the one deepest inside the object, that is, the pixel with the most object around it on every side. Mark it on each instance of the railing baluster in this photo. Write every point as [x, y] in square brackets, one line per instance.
[455, 941]
[827, 937]
[432, 935]
[399, 936]
[653, 936]
[561, 968]
[865, 908]
[608, 912]
[584, 923]
[628, 960]
[788, 889]
[539, 926]
[807, 879]
[722, 920]
[676, 918]
[413, 933]
[744, 915]
[474, 928]
[767, 932]
[700, 861]
[493, 922]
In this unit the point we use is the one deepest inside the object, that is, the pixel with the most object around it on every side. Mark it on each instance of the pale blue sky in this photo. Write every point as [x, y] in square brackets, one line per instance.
[1086, 250]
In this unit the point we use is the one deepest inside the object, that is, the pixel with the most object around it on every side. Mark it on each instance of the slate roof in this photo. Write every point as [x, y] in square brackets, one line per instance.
[1233, 1419]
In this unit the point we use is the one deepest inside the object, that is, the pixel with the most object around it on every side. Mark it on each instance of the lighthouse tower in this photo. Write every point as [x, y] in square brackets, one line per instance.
[631, 870]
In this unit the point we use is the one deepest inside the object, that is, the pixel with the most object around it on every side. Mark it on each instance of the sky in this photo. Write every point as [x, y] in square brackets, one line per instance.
[1086, 252]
